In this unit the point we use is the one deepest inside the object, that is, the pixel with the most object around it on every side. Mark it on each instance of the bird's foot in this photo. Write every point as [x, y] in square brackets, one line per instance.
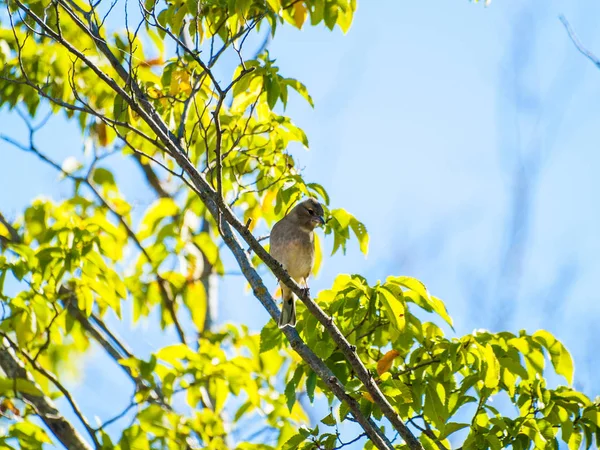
[306, 292]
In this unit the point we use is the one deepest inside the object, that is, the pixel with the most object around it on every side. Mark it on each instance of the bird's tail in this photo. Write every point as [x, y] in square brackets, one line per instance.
[288, 312]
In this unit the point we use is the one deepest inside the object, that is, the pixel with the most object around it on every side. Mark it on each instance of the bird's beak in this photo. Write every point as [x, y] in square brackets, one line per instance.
[319, 220]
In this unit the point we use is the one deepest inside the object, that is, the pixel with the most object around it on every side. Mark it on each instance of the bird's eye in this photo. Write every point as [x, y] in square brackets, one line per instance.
[311, 212]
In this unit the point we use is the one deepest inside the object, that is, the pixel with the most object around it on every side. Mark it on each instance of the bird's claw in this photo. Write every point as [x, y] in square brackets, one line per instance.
[306, 292]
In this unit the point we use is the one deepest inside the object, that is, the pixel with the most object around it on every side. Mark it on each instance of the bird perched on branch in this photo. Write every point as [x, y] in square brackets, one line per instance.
[292, 245]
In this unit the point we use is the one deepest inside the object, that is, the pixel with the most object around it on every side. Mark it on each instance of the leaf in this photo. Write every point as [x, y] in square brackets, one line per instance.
[593, 416]
[311, 384]
[160, 209]
[196, 303]
[175, 353]
[360, 231]
[492, 373]
[452, 427]
[299, 14]
[270, 337]
[575, 440]
[428, 443]
[559, 355]
[344, 410]
[423, 298]
[328, 420]
[434, 408]
[412, 284]
[367, 396]
[273, 90]
[394, 308]
[103, 177]
[385, 363]
[7, 405]
[290, 394]
[21, 385]
[318, 255]
[120, 109]
[303, 91]
[294, 442]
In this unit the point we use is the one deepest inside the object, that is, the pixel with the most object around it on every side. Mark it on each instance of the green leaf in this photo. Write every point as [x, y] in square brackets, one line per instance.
[164, 207]
[300, 89]
[311, 384]
[270, 337]
[344, 410]
[559, 355]
[175, 353]
[290, 394]
[593, 416]
[360, 231]
[428, 443]
[195, 300]
[394, 308]
[22, 385]
[328, 420]
[320, 191]
[294, 442]
[273, 90]
[492, 371]
[452, 427]
[434, 407]
[103, 177]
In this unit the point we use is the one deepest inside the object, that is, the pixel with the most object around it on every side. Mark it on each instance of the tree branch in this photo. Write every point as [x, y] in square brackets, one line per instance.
[585, 52]
[14, 235]
[43, 405]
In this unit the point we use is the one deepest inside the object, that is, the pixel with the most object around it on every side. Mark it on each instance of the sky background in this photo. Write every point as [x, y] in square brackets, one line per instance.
[457, 134]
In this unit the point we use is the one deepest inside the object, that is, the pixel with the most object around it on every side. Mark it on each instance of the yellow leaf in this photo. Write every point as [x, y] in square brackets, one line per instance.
[152, 62]
[7, 405]
[101, 131]
[318, 255]
[185, 87]
[367, 396]
[385, 363]
[299, 14]
[195, 300]
[154, 93]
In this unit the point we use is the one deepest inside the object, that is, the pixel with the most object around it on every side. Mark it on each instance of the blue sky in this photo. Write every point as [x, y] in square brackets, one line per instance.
[423, 111]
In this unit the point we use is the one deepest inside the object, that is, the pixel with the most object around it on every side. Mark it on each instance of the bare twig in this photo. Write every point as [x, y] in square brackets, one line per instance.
[584, 51]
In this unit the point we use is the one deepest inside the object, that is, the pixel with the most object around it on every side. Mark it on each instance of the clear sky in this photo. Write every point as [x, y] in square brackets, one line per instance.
[425, 111]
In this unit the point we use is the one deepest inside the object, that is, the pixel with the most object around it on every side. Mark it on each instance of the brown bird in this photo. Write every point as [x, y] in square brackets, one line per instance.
[292, 245]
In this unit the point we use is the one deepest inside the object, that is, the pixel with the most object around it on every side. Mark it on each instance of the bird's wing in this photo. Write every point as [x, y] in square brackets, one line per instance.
[277, 241]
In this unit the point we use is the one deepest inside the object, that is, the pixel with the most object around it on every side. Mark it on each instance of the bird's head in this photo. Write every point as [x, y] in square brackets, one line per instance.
[308, 214]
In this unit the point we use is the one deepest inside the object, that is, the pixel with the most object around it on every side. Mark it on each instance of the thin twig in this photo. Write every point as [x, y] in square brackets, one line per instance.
[58, 385]
[585, 52]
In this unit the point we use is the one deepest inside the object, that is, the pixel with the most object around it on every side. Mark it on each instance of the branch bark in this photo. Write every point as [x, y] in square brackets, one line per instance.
[45, 408]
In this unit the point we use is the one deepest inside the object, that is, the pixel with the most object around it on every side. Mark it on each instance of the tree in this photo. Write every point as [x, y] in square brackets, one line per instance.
[216, 156]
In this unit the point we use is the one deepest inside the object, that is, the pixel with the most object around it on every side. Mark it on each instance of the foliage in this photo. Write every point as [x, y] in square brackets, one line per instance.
[148, 90]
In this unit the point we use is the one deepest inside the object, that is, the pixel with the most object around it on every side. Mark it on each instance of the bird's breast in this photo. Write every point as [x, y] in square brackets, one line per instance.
[296, 256]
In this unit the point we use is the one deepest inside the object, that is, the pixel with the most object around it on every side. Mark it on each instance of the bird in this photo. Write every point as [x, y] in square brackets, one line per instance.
[292, 245]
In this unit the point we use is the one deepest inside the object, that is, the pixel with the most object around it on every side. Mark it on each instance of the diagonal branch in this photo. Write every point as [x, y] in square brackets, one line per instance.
[50, 377]
[14, 235]
[43, 405]
[585, 52]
